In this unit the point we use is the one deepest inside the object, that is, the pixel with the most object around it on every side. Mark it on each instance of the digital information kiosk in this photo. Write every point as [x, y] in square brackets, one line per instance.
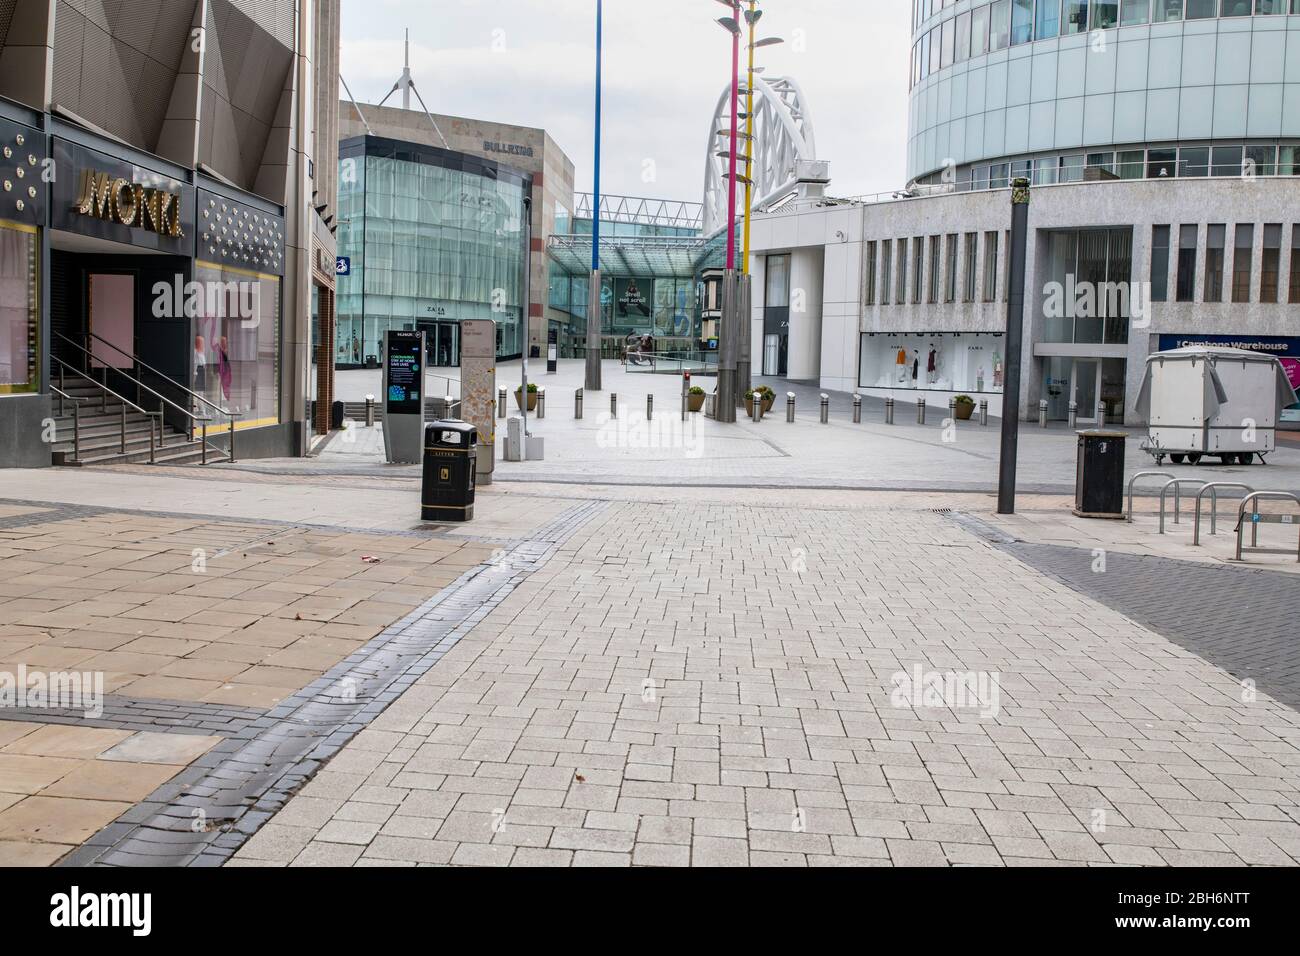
[403, 395]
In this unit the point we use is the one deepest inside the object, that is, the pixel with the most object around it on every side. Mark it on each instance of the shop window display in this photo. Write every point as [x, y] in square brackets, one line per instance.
[236, 333]
[18, 311]
[947, 362]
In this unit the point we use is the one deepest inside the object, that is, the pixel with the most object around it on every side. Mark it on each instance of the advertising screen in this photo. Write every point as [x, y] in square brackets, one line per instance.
[405, 373]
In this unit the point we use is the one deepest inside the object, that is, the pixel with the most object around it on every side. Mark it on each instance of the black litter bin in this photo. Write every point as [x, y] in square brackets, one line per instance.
[337, 414]
[450, 455]
[1099, 482]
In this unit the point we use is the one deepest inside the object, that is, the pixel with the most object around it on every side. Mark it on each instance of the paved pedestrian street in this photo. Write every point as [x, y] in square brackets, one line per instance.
[734, 684]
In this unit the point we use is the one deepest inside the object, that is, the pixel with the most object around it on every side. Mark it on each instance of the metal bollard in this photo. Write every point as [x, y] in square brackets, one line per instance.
[577, 403]
[984, 412]
[370, 411]
[1101, 415]
[613, 404]
[857, 409]
[952, 410]
[1074, 415]
[826, 408]
[541, 403]
[789, 406]
[756, 411]
[920, 411]
[501, 403]
[1042, 413]
[889, 411]
[649, 408]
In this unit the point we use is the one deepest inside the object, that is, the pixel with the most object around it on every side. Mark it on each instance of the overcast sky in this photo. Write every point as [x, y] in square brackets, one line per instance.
[531, 62]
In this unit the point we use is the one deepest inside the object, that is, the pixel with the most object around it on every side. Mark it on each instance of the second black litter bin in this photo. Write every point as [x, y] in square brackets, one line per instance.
[1099, 482]
[450, 455]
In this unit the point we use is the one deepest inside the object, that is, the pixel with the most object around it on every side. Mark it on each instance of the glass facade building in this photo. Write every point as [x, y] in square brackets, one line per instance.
[432, 237]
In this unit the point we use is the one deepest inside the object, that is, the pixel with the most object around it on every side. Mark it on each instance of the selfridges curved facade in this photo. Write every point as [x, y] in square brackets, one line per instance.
[1138, 88]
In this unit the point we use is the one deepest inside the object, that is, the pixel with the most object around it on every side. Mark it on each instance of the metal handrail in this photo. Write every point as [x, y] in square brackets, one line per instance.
[200, 420]
[76, 418]
[144, 365]
[1134, 480]
[1177, 485]
[1213, 488]
[1251, 499]
[155, 426]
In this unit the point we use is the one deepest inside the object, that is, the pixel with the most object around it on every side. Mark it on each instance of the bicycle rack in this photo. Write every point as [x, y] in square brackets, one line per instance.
[1256, 519]
[1134, 480]
[1176, 484]
[1213, 488]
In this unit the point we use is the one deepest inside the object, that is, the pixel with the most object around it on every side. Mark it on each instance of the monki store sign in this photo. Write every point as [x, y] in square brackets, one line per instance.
[119, 200]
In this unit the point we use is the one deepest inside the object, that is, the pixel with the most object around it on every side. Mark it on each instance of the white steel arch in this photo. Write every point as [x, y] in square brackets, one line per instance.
[783, 135]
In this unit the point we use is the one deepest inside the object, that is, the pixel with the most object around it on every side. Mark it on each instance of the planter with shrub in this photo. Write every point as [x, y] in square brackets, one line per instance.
[964, 407]
[694, 398]
[532, 397]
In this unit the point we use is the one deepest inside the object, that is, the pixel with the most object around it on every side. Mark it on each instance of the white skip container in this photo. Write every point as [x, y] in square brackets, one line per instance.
[1208, 400]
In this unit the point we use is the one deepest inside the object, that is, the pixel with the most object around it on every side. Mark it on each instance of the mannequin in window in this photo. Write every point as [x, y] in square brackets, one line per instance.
[931, 365]
[916, 366]
[901, 363]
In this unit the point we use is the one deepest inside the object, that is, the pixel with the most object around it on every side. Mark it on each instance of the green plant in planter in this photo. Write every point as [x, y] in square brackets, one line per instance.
[695, 390]
[532, 396]
[963, 406]
[694, 398]
[764, 393]
[964, 400]
[532, 388]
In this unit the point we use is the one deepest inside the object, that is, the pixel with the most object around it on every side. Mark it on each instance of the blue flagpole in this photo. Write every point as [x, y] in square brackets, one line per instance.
[592, 381]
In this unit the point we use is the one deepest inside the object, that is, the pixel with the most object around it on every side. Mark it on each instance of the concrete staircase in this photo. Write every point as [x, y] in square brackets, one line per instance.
[99, 433]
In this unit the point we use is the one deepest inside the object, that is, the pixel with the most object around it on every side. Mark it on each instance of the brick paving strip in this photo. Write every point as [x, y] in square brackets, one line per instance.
[206, 812]
[1242, 619]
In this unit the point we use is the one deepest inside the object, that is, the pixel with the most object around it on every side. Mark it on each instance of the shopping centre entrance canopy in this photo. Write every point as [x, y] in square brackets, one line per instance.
[680, 257]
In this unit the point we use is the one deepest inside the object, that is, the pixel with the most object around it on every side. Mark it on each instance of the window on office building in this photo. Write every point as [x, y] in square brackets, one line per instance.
[990, 267]
[1215, 252]
[1243, 261]
[1022, 21]
[1294, 297]
[950, 269]
[1130, 164]
[1259, 161]
[972, 254]
[1133, 12]
[1194, 161]
[918, 268]
[1186, 288]
[1201, 9]
[869, 275]
[1162, 163]
[1159, 263]
[1166, 11]
[1105, 14]
[1225, 161]
[1076, 17]
[886, 270]
[1271, 263]
[1047, 21]
[963, 38]
[932, 286]
[900, 290]
[947, 43]
[979, 31]
[999, 24]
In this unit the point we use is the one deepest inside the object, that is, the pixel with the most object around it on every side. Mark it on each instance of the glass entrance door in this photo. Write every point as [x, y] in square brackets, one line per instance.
[1087, 387]
[446, 344]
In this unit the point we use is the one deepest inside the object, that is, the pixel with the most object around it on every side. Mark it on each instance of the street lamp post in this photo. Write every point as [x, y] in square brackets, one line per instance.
[746, 352]
[1015, 333]
[728, 395]
[593, 296]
